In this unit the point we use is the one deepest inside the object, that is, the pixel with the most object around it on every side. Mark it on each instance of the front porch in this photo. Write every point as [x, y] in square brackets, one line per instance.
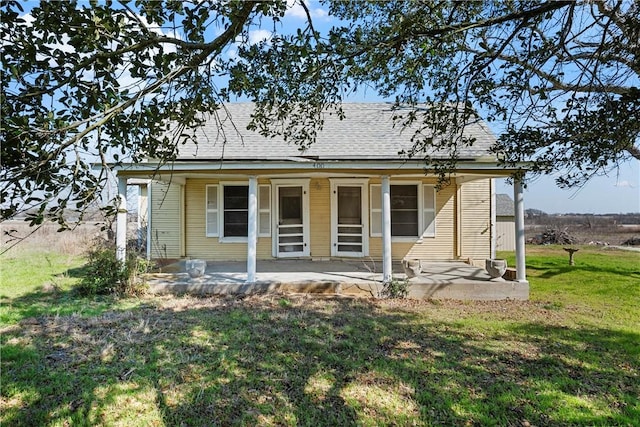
[438, 280]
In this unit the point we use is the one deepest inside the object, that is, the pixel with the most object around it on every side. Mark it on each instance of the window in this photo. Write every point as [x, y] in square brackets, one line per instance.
[233, 208]
[404, 210]
[412, 209]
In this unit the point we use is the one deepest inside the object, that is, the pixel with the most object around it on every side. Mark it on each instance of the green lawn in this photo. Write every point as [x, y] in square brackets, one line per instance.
[40, 283]
[570, 356]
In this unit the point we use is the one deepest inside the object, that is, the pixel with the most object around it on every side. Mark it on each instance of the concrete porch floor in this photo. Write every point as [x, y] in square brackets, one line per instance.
[438, 280]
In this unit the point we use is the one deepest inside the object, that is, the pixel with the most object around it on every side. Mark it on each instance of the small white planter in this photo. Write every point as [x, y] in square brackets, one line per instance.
[412, 267]
[496, 268]
[196, 267]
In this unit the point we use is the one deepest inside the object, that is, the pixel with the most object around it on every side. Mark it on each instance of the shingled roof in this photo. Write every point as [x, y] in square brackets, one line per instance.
[367, 133]
[504, 205]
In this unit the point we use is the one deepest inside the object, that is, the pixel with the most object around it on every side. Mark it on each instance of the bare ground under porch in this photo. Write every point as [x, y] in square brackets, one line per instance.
[438, 280]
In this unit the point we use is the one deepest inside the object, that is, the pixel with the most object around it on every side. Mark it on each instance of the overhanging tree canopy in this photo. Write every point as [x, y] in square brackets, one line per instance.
[127, 81]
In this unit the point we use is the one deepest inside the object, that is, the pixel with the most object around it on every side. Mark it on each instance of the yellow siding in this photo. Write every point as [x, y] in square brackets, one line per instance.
[476, 220]
[438, 248]
[474, 229]
[165, 222]
[505, 234]
[320, 217]
[198, 245]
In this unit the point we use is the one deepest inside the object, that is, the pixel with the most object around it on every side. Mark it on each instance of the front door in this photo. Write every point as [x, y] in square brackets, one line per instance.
[349, 219]
[292, 223]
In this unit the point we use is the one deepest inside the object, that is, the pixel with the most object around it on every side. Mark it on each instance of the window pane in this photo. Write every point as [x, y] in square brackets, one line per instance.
[290, 205]
[404, 217]
[404, 197]
[350, 248]
[235, 223]
[349, 205]
[350, 230]
[291, 230]
[236, 197]
[404, 210]
[410, 230]
[349, 239]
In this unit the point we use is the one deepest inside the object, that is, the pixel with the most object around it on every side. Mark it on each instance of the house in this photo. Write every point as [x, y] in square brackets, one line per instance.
[238, 196]
[505, 223]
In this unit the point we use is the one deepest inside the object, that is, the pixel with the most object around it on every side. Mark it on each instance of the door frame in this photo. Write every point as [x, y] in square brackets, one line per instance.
[276, 184]
[363, 183]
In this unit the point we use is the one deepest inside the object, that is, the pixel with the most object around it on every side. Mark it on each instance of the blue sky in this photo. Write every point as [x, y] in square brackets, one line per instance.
[617, 193]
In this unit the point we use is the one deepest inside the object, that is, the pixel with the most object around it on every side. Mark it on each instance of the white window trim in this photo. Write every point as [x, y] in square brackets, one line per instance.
[216, 231]
[421, 210]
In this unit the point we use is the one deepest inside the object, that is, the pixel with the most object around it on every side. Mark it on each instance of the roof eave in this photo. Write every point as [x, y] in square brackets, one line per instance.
[306, 164]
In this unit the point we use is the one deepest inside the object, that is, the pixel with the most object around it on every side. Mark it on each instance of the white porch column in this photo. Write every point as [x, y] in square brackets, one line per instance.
[518, 205]
[252, 235]
[121, 220]
[492, 184]
[386, 230]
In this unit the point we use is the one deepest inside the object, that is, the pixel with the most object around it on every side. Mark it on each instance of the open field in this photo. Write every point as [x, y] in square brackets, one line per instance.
[570, 356]
[595, 229]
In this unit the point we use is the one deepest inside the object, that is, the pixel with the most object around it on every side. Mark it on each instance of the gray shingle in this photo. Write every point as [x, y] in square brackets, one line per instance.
[367, 132]
[504, 205]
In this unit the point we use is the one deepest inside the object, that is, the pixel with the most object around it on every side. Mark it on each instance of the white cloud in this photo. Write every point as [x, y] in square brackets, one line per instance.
[625, 183]
[256, 36]
[295, 10]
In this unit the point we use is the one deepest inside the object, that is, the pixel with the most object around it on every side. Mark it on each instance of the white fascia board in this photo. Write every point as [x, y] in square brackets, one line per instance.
[317, 166]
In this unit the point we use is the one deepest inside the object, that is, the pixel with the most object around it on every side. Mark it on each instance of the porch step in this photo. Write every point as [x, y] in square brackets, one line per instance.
[208, 288]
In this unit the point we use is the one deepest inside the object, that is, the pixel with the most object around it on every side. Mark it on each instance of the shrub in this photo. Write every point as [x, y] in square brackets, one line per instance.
[104, 274]
[395, 289]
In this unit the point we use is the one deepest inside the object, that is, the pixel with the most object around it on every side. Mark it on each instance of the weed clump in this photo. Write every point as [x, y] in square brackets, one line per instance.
[104, 274]
[395, 288]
